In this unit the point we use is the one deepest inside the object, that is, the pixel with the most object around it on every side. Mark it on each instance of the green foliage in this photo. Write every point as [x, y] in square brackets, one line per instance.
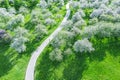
[17, 4]
[7, 4]
[40, 31]
[4, 37]
[31, 3]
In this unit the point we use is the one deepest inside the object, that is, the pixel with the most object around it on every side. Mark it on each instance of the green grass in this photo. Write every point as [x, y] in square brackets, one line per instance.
[102, 64]
[12, 64]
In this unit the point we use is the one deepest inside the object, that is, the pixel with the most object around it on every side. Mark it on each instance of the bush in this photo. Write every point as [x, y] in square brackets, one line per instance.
[4, 37]
[68, 51]
[43, 4]
[96, 13]
[76, 17]
[56, 55]
[50, 21]
[68, 25]
[83, 46]
[40, 31]
[15, 21]
[19, 39]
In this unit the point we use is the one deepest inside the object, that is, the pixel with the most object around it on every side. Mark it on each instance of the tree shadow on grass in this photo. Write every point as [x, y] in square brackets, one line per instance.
[75, 68]
[45, 67]
[8, 58]
[5, 62]
[101, 48]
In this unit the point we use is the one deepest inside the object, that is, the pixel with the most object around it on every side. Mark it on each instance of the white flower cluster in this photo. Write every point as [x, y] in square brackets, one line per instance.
[35, 16]
[83, 46]
[43, 4]
[105, 11]
[80, 24]
[56, 55]
[92, 3]
[96, 13]
[4, 36]
[67, 25]
[76, 17]
[20, 37]
[23, 10]
[78, 20]
[74, 4]
[47, 15]
[102, 30]
[5, 14]
[15, 21]
[12, 10]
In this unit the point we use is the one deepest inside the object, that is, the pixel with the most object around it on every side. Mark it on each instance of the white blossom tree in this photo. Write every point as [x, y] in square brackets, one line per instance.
[50, 21]
[56, 55]
[84, 45]
[40, 31]
[19, 39]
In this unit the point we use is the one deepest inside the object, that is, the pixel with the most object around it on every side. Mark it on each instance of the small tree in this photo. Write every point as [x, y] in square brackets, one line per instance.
[43, 4]
[50, 22]
[15, 21]
[40, 31]
[56, 55]
[68, 51]
[96, 13]
[19, 39]
[4, 36]
[68, 25]
[76, 17]
[83, 46]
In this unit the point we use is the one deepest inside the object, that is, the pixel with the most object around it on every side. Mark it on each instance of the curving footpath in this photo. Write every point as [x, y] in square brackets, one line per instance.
[31, 66]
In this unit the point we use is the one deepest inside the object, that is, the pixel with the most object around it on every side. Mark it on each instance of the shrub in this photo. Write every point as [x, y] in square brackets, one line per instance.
[5, 15]
[96, 13]
[93, 21]
[43, 4]
[4, 36]
[23, 10]
[47, 15]
[80, 24]
[83, 46]
[68, 51]
[56, 55]
[40, 31]
[68, 25]
[15, 21]
[19, 39]
[50, 21]
[102, 30]
[76, 17]
[12, 10]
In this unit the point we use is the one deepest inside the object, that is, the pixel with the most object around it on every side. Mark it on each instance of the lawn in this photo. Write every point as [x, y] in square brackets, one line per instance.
[102, 64]
[12, 64]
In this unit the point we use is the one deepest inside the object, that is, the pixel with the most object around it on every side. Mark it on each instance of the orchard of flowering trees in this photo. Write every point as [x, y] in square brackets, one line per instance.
[91, 34]
[89, 20]
[23, 21]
